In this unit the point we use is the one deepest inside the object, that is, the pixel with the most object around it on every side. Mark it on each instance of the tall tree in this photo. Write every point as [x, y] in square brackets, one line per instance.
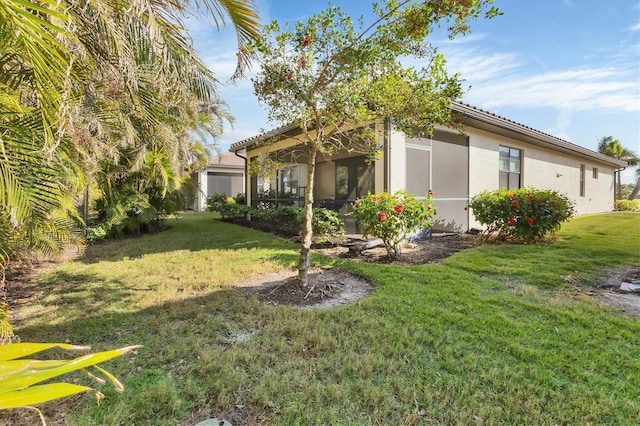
[333, 79]
[80, 79]
[636, 188]
[85, 80]
[613, 148]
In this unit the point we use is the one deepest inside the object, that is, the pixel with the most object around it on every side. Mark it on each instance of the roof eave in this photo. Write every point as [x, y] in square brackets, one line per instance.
[536, 137]
[254, 140]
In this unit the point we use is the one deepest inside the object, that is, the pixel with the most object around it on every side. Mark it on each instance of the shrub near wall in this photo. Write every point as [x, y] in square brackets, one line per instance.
[628, 205]
[525, 214]
[284, 220]
[392, 217]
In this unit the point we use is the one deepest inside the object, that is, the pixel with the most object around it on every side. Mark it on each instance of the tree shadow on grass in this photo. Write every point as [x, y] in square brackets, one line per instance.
[193, 232]
[183, 342]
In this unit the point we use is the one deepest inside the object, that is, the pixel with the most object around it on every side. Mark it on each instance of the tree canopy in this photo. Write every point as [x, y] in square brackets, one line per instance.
[614, 148]
[85, 84]
[334, 75]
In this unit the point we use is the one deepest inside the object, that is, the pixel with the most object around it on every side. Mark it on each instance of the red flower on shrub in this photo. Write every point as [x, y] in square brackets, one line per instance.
[399, 208]
[539, 200]
[382, 197]
[530, 221]
[374, 198]
[306, 41]
[465, 209]
[431, 193]
[382, 217]
[514, 203]
[357, 203]
[511, 221]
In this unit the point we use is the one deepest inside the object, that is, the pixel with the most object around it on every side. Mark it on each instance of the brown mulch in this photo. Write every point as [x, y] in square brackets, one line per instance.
[430, 251]
[334, 287]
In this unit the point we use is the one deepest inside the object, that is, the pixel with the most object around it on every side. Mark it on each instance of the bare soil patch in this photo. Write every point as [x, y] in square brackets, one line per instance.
[607, 291]
[22, 278]
[334, 287]
[327, 287]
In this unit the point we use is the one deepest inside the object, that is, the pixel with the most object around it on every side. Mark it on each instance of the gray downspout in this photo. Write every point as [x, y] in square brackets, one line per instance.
[246, 177]
[615, 185]
[387, 154]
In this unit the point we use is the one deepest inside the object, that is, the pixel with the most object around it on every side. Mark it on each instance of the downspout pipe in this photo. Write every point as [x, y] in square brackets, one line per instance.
[246, 177]
[615, 184]
[386, 147]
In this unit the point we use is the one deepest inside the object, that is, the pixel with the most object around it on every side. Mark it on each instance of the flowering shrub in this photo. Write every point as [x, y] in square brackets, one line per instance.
[526, 214]
[393, 217]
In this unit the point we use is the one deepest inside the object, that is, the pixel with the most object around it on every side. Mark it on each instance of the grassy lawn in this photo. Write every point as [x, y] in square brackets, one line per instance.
[492, 335]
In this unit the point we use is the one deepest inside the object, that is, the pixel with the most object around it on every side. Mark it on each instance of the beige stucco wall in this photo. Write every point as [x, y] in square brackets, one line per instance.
[202, 182]
[541, 168]
[397, 164]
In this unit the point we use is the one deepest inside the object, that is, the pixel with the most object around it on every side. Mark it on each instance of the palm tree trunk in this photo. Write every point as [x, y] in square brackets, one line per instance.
[636, 189]
[619, 185]
[307, 230]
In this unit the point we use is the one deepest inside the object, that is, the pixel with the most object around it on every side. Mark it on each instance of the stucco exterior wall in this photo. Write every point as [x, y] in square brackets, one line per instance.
[541, 168]
[397, 164]
[207, 183]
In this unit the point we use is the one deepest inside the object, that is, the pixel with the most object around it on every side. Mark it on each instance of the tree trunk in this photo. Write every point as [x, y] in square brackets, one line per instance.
[307, 230]
[619, 185]
[636, 189]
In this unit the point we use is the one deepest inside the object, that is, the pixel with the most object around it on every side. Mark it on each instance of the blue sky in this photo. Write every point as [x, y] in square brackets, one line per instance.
[570, 68]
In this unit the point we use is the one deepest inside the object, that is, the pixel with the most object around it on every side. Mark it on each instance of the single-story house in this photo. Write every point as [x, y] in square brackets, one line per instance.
[488, 152]
[225, 174]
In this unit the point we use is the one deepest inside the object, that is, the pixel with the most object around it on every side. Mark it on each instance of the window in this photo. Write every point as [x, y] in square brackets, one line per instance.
[510, 166]
[289, 180]
[595, 173]
[582, 168]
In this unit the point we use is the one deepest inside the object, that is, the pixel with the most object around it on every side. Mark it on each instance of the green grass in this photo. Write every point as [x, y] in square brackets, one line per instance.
[493, 335]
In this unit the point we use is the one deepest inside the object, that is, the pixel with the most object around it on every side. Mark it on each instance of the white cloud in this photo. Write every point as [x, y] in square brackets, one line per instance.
[232, 136]
[475, 67]
[562, 126]
[587, 89]
[469, 38]
[508, 79]
[635, 27]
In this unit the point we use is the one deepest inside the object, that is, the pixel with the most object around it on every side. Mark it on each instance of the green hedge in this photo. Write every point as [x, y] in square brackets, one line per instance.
[628, 205]
[286, 220]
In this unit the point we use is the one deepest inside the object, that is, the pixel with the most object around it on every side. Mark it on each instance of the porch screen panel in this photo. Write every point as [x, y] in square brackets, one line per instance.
[451, 183]
[224, 183]
[418, 171]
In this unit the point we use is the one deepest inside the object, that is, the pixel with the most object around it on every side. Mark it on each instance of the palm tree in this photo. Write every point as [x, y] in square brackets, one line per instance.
[636, 188]
[613, 148]
[81, 80]
[78, 80]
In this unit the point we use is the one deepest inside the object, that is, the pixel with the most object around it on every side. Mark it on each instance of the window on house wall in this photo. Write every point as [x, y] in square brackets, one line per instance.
[289, 180]
[595, 173]
[582, 168]
[510, 167]
[260, 185]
